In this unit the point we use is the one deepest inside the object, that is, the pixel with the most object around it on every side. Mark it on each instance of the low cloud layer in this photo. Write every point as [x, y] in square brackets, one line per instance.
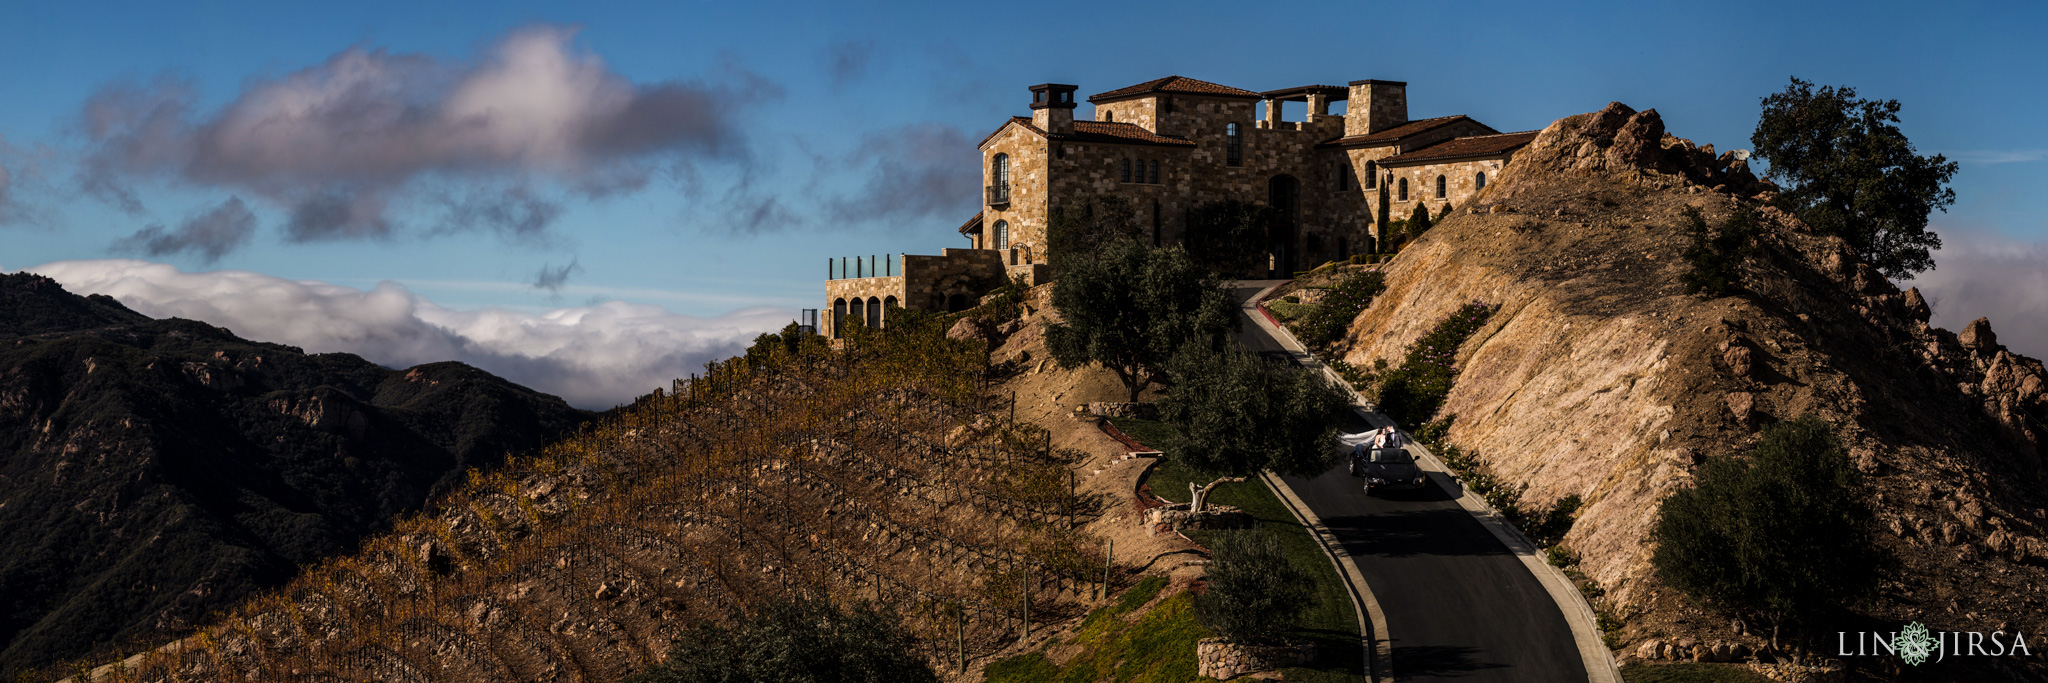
[594, 356]
[1979, 274]
[341, 148]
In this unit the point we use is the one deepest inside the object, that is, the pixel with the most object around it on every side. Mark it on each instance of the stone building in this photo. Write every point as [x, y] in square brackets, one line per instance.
[1173, 144]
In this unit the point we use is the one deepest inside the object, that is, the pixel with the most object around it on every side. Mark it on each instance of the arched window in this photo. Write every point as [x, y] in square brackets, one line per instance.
[1233, 145]
[858, 312]
[1155, 173]
[1108, 116]
[874, 312]
[1479, 181]
[1401, 190]
[1372, 174]
[1002, 237]
[1440, 187]
[1125, 176]
[838, 316]
[999, 171]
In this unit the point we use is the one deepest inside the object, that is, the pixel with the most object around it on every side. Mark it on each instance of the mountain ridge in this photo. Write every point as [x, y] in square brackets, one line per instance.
[152, 471]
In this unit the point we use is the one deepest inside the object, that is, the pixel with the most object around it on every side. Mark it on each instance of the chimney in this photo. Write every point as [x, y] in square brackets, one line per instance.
[1375, 106]
[1052, 107]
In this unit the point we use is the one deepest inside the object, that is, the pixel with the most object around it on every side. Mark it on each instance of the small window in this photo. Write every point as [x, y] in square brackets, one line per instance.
[1233, 145]
[1126, 175]
[1343, 177]
[1037, 96]
[1440, 187]
[1479, 181]
[1155, 173]
[1372, 174]
[1165, 105]
[1002, 235]
[1108, 116]
[1401, 190]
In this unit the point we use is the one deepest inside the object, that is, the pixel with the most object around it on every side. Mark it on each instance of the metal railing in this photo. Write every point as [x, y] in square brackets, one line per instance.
[848, 268]
[999, 195]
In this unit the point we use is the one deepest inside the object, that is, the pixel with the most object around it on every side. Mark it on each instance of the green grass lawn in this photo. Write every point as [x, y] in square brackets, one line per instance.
[1690, 673]
[1331, 621]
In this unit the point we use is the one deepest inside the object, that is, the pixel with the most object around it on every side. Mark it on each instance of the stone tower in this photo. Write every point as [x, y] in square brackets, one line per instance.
[1376, 106]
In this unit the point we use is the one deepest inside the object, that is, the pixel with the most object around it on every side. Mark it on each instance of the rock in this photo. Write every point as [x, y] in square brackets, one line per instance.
[1916, 305]
[1743, 405]
[1720, 652]
[607, 590]
[1602, 125]
[1650, 649]
[969, 328]
[1738, 359]
[1978, 335]
[1738, 652]
[1637, 143]
[1010, 328]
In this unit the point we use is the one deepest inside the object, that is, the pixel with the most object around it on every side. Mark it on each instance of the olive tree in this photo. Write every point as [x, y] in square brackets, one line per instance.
[1847, 170]
[1130, 307]
[1236, 414]
[1784, 534]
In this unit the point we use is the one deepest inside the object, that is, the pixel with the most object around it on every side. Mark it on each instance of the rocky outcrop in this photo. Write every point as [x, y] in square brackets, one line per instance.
[1600, 377]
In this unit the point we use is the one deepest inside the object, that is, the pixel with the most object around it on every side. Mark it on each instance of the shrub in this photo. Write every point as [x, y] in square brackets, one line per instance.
[1412, 392]
[1327, 323]
[1783, 534]
[799, 640]
[1255, 594]
[1713, 261]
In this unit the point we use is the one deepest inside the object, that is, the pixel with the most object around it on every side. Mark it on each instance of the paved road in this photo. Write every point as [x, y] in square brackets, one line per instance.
[1459, 605]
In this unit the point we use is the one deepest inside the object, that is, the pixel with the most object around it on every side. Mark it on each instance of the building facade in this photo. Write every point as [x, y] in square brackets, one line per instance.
[1171, 145]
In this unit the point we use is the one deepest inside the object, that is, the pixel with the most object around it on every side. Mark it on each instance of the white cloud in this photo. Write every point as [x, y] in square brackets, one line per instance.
[593, 356]
[1981, 274]
[345, 146]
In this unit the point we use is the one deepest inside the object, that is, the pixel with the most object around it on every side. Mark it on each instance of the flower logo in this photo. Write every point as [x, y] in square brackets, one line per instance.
[1915, 644]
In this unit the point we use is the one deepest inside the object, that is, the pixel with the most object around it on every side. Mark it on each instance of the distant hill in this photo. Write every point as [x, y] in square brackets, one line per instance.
[153, 471]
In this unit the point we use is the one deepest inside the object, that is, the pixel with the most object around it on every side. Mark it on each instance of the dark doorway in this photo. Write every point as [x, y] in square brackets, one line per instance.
[1283, 192]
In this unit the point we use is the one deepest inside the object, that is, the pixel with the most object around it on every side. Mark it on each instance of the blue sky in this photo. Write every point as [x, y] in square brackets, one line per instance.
[848, 128]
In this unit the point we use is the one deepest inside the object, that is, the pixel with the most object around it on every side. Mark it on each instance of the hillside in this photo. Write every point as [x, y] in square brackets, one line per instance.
[154, 471]
[878, 472]
[1600, 377]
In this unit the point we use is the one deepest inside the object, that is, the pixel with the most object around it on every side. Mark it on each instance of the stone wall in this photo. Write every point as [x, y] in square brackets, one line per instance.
[1026, 212]
[1224, 660]
[928, 283]
[1460, 184]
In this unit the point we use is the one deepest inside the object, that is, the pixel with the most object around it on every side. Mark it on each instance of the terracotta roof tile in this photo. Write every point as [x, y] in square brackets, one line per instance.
[1175, 84]
[1469, 146]
[973, 225]
[1398, 132]
[1119, 133]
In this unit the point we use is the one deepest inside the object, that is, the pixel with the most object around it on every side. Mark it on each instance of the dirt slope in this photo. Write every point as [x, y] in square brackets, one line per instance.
[1600, 377]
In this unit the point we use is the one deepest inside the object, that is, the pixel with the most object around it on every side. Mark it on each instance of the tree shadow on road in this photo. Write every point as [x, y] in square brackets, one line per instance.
[1445, 661]
[1408, 533]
